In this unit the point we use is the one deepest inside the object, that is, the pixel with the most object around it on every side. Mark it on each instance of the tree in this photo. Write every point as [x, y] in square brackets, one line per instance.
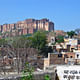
[60, 39]
[3, 42]
[39, 40]
[19, 50]
[29, 71]
[71, 34]
[46, 50]
[47, 77]
[22, 50]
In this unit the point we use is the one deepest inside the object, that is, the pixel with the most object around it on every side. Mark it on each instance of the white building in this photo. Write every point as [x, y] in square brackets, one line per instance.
[77, 54]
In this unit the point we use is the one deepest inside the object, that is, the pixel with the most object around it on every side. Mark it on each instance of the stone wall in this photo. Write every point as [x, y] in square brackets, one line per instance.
[36, 76]
[28, 26]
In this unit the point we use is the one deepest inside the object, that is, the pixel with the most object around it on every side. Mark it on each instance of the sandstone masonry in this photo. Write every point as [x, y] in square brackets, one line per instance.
[28, 26]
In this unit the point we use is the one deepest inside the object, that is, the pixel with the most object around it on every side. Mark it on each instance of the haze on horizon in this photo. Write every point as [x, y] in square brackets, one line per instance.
[64, 13]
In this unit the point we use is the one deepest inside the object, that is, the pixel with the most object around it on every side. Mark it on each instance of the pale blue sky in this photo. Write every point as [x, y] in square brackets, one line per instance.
[64, 13]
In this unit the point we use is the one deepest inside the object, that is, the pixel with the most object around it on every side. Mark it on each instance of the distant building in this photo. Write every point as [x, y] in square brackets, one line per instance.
[28, 26]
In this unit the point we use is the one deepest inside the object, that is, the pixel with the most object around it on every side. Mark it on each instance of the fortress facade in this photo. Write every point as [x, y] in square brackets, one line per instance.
[28, 26]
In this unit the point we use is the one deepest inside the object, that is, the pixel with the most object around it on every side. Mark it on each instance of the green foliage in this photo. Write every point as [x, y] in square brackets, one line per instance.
[39, 40]
[21, 42]
[71, 34]
[3, 42]
[27, 35]
[47, 77]
[46, 50]
[60, 39]
[53, 43]
[0, 33]
[27, 72]
[46, 32]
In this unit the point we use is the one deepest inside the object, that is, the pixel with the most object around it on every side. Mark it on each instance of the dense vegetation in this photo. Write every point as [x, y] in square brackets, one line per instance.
[38, 41]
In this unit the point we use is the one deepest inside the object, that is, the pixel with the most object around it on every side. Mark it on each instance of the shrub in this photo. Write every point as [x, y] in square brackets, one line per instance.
[27, 72]
[47, 77]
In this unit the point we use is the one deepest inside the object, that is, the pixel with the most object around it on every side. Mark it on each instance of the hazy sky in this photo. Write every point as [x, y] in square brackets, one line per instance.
[64, 13]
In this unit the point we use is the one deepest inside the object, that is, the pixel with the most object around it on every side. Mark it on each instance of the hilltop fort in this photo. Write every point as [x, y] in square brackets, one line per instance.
[28, 26]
